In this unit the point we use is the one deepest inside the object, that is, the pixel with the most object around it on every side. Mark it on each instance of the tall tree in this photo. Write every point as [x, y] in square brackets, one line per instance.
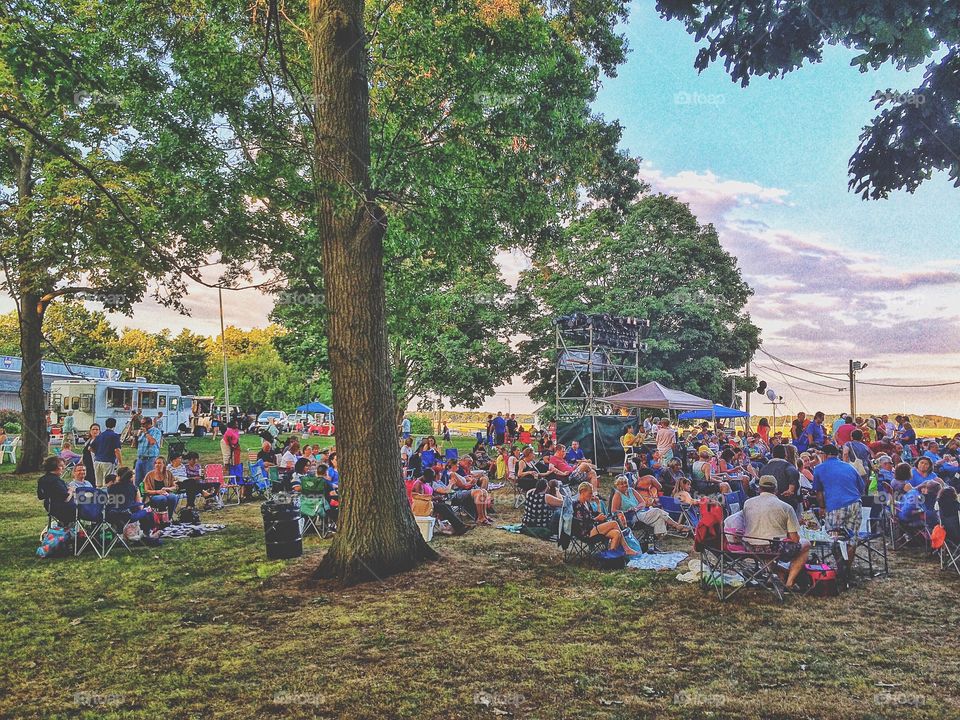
[72, 333]
[915, 133]
[188, 361]
[118, 167]
[468, 153]
[656, 263]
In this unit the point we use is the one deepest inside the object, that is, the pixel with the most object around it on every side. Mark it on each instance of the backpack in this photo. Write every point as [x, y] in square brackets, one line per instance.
[54, 541]
[189, 516]
[708, 529]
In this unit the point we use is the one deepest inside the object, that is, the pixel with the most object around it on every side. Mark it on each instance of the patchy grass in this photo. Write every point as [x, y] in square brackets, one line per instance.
[499, 627]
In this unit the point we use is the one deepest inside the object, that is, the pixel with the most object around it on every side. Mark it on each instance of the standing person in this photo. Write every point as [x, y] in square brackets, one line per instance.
[666, 439]
[499, 429]
[68, 429]
[405, 427]
[132, 431]
[837, 423]
[814, 432]
[843, 432]
[511, 428]
[106, 452]
[230, 447]
[839, 488]
[763, 430]
[889, 427]
[148, 448]
[489, 429]
[855, 450]
[797, 436]
[88, 453]
[446, 432]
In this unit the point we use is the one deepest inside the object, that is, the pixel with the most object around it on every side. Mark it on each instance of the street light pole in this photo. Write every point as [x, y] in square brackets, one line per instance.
[855, 367]
[223, 347]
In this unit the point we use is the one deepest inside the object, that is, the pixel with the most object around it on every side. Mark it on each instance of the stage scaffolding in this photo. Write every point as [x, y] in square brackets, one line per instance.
[596, 356]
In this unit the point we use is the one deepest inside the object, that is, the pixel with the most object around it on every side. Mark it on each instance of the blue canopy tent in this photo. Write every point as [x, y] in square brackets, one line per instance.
[315, 407]
[719, 412]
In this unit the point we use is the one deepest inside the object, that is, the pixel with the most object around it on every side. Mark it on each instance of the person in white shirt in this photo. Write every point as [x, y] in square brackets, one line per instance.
[666, 439]
[766, 518]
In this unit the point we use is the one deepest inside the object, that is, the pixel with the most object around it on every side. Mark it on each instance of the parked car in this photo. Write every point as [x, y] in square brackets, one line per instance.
[264, 418]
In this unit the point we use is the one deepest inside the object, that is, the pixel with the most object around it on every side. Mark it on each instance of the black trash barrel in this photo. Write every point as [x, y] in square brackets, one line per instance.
[281, 530]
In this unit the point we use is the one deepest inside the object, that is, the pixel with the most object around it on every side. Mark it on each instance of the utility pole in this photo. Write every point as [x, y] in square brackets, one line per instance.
[223, 347]
[855, 367]
[748, 393]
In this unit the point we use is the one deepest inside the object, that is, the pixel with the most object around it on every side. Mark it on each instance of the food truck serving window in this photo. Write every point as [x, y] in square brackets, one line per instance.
[119, 398]
[148, 399]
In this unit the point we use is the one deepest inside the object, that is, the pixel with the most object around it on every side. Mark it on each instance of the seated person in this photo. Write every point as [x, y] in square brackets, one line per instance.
[629, 438]
[635, 509]
[572, 474]
[124, 504]
[478, 477]
[587, 523]
[301, 467]
[177, 468]
[267, 455]
[481, 460]
[949, 511]
[195, 485]
[885, 471]
[68, 455]
[649, 488]
[768, 518]
[575, 454]
[682, 491]
[923, 471]
[56, 496]
[424, 487]
[671, 476]
[702, 472]
[527, 473]
[902, 478]
[471, 485]
[161, 489]
[542, 507]
[79, 481]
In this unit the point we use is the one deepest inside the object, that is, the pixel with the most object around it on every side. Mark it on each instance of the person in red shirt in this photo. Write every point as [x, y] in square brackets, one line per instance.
[843, 433]
[570, 474]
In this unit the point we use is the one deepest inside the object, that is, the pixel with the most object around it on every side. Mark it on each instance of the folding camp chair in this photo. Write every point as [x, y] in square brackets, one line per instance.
[948, 551]
[729, 567]
[93, 524]
[680, 512]
[313, 506]
[733, 502]
[870, 551]
[259, 480]
[451, 454]
[233, 486]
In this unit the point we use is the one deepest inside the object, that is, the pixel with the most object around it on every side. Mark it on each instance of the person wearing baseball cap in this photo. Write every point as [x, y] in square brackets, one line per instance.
[768, 518]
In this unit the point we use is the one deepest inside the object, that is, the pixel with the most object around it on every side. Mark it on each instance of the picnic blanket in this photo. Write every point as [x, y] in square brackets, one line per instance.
[656, 561]
[184, 530]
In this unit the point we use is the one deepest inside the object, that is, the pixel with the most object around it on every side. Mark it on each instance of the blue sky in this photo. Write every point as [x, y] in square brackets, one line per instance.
[835, 277]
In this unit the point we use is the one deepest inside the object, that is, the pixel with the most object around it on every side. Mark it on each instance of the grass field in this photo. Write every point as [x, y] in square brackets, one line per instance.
[499, 627]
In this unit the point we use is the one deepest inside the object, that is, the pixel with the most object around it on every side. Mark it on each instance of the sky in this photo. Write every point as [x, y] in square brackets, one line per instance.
[835, 277]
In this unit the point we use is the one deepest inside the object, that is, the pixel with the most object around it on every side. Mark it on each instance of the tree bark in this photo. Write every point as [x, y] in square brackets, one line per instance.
[377, 535]
[34, 435]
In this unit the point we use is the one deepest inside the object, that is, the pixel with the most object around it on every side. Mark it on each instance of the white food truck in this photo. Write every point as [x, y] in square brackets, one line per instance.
[93, 401]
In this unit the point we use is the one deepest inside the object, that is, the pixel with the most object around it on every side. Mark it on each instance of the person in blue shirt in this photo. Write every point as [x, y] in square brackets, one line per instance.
[933, 453]
[814, 432]
[575, 453]
[106, 452]
[839, 488]
[148, 448]
[405, 428]
[499, 429]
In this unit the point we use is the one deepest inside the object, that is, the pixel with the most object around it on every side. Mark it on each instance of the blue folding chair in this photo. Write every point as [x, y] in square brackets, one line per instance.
[451, 454]
[679, 512]
[733, 501]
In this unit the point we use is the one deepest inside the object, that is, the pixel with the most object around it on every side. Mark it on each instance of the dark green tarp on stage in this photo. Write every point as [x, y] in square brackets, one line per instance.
[610, 428]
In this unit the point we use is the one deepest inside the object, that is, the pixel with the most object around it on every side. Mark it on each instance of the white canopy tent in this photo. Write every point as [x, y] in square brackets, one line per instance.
[655, 395]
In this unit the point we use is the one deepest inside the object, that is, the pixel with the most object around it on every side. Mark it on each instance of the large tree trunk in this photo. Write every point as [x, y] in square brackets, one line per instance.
[34, 435]
[377, 533]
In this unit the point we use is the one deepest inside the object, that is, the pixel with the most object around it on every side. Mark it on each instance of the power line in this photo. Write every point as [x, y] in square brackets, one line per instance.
[827, 375]
[812, 382]
[894, 385]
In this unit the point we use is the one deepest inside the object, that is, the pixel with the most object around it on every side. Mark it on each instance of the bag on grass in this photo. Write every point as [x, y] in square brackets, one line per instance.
[821, 580]
[189, 516]
[612, 559]
[54, 541]
[132, 532]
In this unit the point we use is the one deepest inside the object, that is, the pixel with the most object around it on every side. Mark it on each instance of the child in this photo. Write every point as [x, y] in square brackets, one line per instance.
[68, 455]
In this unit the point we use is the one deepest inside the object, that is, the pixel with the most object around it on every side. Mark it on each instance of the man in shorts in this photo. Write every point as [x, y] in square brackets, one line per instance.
[768, 518]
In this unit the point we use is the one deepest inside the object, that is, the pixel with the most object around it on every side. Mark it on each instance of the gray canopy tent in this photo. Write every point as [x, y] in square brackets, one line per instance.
[652, 395]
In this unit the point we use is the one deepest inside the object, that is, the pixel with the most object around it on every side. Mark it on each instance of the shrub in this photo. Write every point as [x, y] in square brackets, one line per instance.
[421, 424]
[13, 428]
[11, 416]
